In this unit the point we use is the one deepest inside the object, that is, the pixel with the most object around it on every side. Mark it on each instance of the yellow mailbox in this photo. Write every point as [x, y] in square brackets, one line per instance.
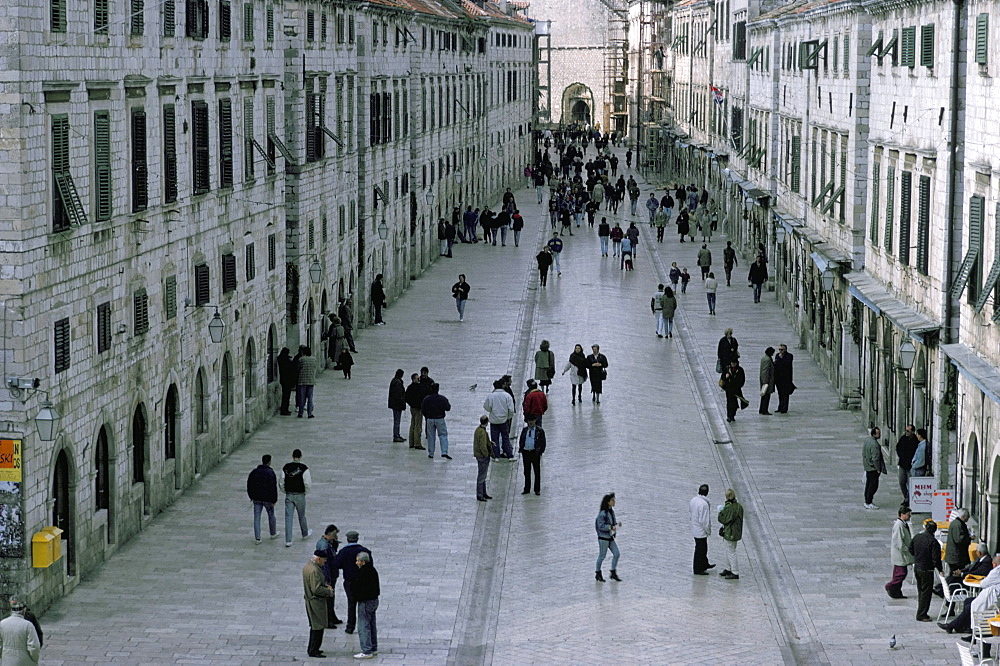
[46, 547]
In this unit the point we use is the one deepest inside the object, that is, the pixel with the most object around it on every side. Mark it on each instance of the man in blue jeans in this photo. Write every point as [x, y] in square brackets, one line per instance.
[295, 482]
[366, 592]
[433, 408]
[262, 488]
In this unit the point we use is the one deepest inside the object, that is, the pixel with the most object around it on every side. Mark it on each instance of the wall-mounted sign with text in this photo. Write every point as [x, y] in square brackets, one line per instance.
[10, 460]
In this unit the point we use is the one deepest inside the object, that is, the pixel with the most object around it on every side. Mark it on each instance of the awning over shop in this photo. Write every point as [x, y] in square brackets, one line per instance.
[872, 294]
[976, 369]
[822, 262]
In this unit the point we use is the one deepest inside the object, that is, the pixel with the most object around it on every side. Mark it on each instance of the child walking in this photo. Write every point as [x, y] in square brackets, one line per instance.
[346, 361]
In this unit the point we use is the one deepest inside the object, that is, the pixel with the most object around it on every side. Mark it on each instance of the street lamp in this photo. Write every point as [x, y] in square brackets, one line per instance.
[779, 234]
[429, 198]
[315, 271]
[459, 176]
[826, 280]
[216, 327]
[383, 230]
[47, 421]
[907, 354]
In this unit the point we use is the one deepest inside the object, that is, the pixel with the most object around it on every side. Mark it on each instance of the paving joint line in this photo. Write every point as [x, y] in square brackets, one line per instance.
[789, 615]
[478, 616]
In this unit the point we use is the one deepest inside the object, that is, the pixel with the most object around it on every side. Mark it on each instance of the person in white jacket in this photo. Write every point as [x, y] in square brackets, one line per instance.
[19, 644]
[901, 556]
[701, 522]
[499, 406]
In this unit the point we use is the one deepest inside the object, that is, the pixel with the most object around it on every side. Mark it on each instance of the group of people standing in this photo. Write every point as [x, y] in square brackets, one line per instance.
[775, 376]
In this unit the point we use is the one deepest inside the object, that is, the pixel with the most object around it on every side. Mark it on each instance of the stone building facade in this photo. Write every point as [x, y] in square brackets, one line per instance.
[853, 143]
[259, 160]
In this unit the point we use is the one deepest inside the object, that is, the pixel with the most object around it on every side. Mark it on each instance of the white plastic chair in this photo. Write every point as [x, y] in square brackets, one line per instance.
[954, 594]
[982, 634]
[967, 657]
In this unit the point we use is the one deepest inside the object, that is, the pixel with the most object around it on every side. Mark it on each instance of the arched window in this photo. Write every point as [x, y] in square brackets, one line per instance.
[170, 424]
[249, 361]
[272, 356]
[62, 507]
[138, 445]
[200, 402]
[102, 465]
[227, 385]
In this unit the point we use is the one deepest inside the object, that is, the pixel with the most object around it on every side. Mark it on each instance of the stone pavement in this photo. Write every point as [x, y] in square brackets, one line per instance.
[511, 581]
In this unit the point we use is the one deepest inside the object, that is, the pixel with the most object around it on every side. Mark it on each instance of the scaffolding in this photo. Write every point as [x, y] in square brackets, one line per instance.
[543, 74]
[616, 67]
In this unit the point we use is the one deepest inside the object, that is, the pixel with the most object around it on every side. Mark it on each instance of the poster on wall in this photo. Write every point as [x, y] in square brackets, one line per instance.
[10, 460]
[11, 520]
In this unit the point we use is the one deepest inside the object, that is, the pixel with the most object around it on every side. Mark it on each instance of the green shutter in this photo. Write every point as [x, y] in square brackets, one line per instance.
[60, 168]
[169, 154]
[923, 223]
[101, 17]
[57, 15]
[169, 17]
[796, 163]
[271, 154]
[927, 45]
[905, 191]
[248, 21]
[270, 23]
[248, 139]
[225, 20]
[847, 54]
[225, 143]
[61, 338]
[982, 38]
[876, 46]
[971, 260]
[102, 164]
[890, 220]
[138, 19]
[909, 58]
[140, 179]
[873, 230]
[199, 134]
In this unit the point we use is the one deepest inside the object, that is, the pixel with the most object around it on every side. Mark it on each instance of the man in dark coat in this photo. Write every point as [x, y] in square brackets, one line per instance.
[345, 561]
[367, 591]
[531, 446]
[288, 376]
[397, 403]
[905, 448]
[346, 314]
[378, 299]
[926, 553]
[766, 381]
[414, 397]
[728, 349]
[959, 539]
[757, 277]
[544, 259]
[783, 377]
[262, 488]
[732, 382]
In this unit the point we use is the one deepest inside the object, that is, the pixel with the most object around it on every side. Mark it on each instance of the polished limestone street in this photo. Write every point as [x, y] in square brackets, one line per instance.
[511, 581]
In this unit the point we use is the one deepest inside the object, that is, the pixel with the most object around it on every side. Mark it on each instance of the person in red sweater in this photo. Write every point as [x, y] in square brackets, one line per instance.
[535, 403]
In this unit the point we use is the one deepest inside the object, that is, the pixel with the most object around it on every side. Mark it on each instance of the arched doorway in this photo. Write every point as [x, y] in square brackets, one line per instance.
[249, 361]
[310, 325]
[272, 355]
[102, 479]
[577, 104]
[139, 459]
[170, 418]
[62, 507]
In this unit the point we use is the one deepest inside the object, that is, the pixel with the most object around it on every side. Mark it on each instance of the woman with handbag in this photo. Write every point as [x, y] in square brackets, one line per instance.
[545, 365]
[597, 364]
[577, 362]
[607, 527]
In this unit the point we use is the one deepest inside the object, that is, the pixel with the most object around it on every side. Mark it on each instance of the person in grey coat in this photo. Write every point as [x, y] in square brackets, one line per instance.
[766, 380]
[19, 644]
[704, 260]
[874, 464]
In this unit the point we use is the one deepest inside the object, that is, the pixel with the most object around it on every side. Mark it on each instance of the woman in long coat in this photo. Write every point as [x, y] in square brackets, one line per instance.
[545, 365]
[596, 364]
[335, 336]
[578, 363]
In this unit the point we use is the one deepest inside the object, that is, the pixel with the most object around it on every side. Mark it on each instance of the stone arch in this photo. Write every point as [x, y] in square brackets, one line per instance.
[990, 525]
[104, 478]
[171, 431]
[249, 370]
[310, 324]
[577, 103]
[972, 481]
[63, 500]
[139, 431]
[226, 385]
[272, 354]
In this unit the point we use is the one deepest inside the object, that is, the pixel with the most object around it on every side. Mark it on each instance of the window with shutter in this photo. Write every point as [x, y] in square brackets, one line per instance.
[228, 273]
[310, 26]
[140, 307]
[992, 283]
[905, 192]
[199, 137]
[225, 143]
[101, 17]
[169, 9]
[847, 55]
[103, 327]
[250, 259]
[61, 338]
[341, 221]
[169, 154]
[325, 229]
[927, 45]
[137, 21]
[170, 297]
[970, 272]
[341, 29]
[248, 21]
[312, 234]
[102, 165]
[140, 178]
[923, 223]
[322, 27]
[248, 139]
[269, 28]
[60, 170]
[271, 152]
[890, 220]
[225, 20]
[350, 29]
[202, 288]
[272, 258]
[909, 56]
[196, 18]
[982, 38]
[57, 15]
[873, 234]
